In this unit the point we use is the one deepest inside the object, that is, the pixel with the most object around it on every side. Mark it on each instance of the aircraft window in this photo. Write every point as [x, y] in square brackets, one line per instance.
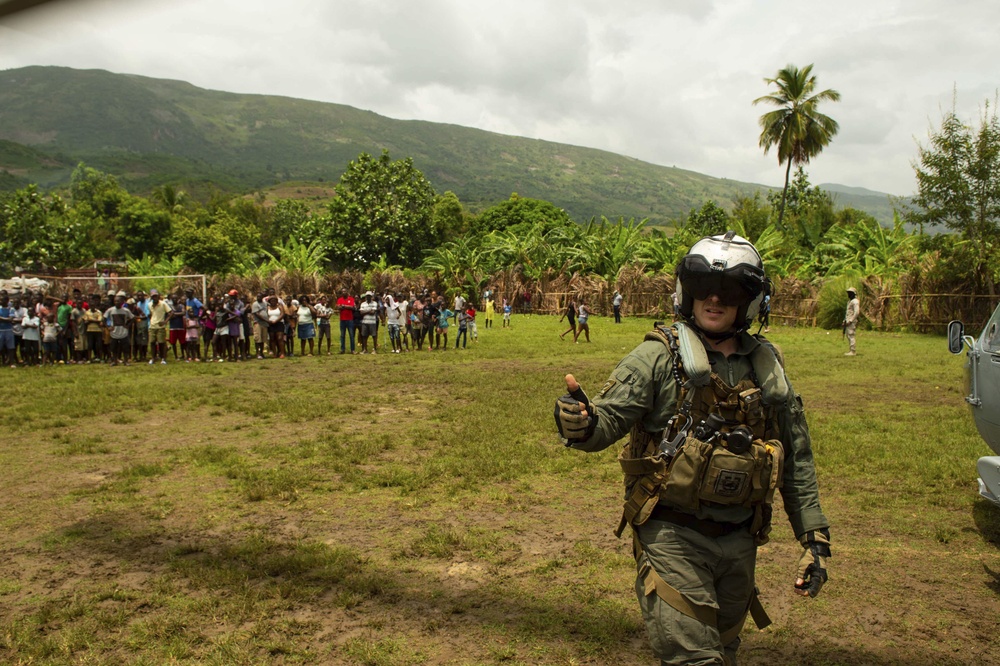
[992, 339]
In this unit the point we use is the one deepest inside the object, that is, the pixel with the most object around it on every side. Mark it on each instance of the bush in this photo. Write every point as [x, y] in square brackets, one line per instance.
[833, 301]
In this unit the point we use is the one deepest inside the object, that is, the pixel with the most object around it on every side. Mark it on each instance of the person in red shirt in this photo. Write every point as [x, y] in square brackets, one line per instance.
[346, 306]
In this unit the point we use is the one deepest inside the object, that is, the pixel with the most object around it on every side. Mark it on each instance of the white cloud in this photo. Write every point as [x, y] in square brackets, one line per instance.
[671, 83]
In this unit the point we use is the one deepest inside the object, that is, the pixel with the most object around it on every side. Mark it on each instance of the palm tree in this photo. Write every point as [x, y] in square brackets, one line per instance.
[171, 198]
[799, 131]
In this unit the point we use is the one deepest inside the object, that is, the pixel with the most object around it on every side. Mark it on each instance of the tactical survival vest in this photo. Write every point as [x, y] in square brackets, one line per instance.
[720, 448]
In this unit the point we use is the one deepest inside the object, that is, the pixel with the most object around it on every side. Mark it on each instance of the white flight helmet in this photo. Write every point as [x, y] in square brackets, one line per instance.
[728, 266]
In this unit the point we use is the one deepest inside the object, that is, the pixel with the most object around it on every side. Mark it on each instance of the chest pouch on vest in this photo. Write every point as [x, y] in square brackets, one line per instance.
[747, 478]
[704, 472]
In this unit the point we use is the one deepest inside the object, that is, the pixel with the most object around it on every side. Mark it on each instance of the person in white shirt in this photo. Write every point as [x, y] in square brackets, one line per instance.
[306, 326]
[30, 325]
[369, 321]
[323, 314]
[18, 316]
[404, 322]
[392, 321]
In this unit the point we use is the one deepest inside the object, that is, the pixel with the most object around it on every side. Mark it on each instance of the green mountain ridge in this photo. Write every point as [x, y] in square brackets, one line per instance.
[150, 132]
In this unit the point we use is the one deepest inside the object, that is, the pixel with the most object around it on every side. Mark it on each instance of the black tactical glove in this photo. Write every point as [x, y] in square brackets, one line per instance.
[812, 564]
[572, 423]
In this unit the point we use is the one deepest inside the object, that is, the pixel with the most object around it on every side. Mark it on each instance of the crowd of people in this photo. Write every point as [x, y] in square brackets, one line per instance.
[122, 328]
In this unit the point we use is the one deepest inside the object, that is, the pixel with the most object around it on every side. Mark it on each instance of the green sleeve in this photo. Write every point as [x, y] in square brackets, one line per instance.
[800, 490]
[640, 389]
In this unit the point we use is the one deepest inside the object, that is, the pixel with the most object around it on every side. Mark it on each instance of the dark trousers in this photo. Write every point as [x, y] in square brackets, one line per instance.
[29, 353]
[95, 343]
[346, 328]
[463, 335]
[618, 314]
[119, 348]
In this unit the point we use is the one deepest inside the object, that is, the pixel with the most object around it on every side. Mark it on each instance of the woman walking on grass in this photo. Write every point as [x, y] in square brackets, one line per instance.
[569, 315]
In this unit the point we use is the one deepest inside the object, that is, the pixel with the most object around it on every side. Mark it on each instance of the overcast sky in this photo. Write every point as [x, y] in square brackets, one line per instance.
[668, 82]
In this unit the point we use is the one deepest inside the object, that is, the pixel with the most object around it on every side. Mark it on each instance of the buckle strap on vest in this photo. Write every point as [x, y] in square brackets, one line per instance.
[654, 582]
[756, 610]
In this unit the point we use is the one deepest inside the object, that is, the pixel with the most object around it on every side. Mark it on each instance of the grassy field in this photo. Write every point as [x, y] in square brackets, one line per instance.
[418, 509]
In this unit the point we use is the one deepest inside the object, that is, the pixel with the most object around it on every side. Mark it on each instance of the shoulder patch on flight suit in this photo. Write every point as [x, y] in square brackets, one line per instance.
[608, 385]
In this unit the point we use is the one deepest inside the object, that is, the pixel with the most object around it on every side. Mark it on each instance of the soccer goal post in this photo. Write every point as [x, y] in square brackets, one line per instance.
[101, 284]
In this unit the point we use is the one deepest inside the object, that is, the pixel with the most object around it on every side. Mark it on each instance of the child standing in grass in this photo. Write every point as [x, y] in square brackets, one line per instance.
[431, 310]
[192, 333]
[417, 323]
[30, 328]
[221, 333]
[583, 313]
[444, 314]
[323, 314]
[208, 327]
[463, 329]
[50, 339]
[234, 321]
[470, 313]
[506, 313]
[93, 326]
[490, 311]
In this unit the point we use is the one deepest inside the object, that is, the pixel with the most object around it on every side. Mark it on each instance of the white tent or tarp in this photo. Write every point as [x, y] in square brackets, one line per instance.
[16, 285]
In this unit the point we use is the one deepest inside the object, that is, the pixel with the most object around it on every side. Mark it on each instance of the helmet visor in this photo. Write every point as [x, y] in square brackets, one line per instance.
[728, 290]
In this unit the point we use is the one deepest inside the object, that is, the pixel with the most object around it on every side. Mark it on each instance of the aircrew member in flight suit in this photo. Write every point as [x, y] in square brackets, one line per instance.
[714, 429]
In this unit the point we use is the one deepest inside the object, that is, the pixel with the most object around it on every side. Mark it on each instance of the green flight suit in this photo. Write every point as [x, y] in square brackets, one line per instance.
[716, 572]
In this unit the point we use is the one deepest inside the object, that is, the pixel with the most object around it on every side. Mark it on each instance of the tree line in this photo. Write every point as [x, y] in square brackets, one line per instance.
[386, 215]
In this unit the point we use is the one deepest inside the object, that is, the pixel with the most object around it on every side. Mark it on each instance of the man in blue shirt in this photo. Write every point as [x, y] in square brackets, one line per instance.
[6, 331]
[193, 302]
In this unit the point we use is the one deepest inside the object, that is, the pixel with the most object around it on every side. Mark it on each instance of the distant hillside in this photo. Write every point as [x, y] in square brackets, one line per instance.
[153, 131]
[877, 204]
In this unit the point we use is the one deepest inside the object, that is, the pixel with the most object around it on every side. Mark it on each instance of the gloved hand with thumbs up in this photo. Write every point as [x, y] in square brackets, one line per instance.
[575, 417]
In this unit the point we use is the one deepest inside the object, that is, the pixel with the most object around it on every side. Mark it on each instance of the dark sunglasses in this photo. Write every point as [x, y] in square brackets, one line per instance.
[728, 291]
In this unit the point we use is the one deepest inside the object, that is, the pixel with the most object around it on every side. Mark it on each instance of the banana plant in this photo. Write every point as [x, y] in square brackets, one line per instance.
[608, 246]
[294, 256]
